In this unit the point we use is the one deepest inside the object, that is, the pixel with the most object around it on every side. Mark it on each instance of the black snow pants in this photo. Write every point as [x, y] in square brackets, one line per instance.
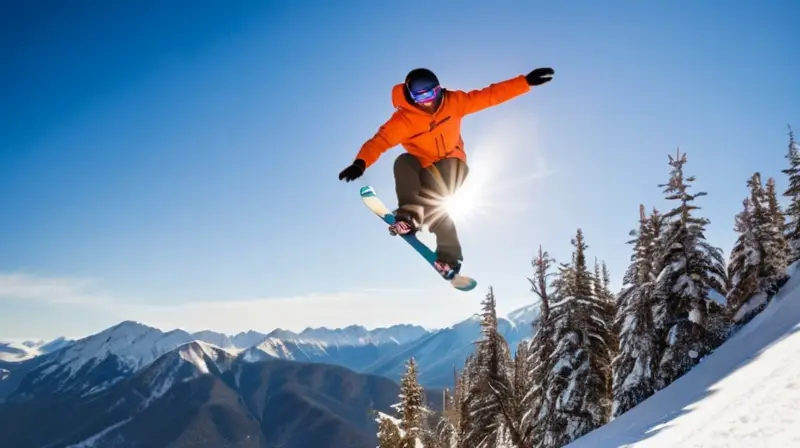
[420, 192]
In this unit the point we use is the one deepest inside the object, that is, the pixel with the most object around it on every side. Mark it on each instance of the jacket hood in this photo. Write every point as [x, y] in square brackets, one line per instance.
[399, 99]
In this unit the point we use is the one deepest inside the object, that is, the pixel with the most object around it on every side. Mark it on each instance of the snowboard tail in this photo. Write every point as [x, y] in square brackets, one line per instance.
[374, 203]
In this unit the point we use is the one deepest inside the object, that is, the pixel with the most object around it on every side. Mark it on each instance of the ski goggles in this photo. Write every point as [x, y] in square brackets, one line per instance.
[425, 95]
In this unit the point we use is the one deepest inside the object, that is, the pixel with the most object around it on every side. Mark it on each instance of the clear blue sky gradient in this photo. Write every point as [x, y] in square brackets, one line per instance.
[177, 153]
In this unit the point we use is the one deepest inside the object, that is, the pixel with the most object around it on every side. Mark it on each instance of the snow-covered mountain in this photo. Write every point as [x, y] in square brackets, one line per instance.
[276, 348]
[200, 395]
[95, 362]
[438, 353]
[184, 363]
[744, 394]
[352, 335]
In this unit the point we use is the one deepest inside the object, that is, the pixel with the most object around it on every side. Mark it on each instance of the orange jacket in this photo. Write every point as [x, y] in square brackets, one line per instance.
[432, 137]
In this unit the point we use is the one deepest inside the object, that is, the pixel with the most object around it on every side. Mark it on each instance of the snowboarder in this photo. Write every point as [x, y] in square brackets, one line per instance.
[427, 123]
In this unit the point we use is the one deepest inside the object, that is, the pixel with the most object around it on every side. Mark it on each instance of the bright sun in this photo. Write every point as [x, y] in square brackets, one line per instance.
[459, 205]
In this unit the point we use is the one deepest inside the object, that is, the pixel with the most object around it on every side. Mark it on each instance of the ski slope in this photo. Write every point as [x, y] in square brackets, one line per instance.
[745, 394]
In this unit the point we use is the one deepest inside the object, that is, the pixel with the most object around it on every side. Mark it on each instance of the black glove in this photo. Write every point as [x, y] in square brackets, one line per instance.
[539, 76]
[353, 171]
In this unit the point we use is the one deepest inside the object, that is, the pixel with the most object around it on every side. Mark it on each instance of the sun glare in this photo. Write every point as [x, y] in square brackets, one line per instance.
[494, 189]
[457, 206]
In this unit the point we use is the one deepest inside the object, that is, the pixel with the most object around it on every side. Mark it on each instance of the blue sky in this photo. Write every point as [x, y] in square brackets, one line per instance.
[178, 164]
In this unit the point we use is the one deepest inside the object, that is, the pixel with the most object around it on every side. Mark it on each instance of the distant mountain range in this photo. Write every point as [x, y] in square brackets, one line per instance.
[190, 385]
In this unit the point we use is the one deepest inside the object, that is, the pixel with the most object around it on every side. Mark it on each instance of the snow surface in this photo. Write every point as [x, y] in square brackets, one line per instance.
[745, 394]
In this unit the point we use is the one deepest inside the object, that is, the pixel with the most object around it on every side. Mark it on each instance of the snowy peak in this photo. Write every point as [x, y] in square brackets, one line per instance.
[214, 338]
[350, 336]
[525, 315]
[135, 344]
[280, 333]
[184, 363]
[357, 335]
[247, 339]
[399, 334]
[206, 358]
[94, 363]
[275, 348]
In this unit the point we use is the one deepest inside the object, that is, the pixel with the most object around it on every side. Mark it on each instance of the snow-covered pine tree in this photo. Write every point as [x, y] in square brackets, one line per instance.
[783, 252]
[793, 193]
[775, 245]
[637, 358]
[491, 395]
[448, 429]
[388, 432]
[691, 269]
[411, 413]
[604, 296]
[579, 379]
[768, 233]
[521, 385]
[744, 261]
[466, 384]
[758, 261]
[535, 420]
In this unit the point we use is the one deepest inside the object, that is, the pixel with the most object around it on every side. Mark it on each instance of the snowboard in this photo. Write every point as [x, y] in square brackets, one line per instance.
[374, 203]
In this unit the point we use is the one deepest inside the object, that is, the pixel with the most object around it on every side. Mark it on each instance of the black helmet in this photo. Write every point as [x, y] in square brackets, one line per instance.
[422, 86]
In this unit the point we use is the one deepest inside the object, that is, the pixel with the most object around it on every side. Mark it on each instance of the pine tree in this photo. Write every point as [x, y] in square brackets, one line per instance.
[408, 428]
[793, 193]
[758, 260]
[606, 298]
[521, 384]
[691, 269]
[579, 380]
[491, 395]
[636, 363]
[775, 246]
[449, 428]
[745, 258]
[778, 218]
[536, 417]
[388, 432]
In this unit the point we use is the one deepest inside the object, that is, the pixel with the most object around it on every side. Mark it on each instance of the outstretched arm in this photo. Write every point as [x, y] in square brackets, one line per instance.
[389, 135]
[497, 93]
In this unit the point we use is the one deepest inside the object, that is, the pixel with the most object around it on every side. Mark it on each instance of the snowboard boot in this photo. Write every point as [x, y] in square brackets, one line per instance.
[447, 269]
[403, 225]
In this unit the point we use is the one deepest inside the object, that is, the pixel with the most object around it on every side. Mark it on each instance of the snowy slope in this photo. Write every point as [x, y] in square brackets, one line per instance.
[745, 394]
[186, 362]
